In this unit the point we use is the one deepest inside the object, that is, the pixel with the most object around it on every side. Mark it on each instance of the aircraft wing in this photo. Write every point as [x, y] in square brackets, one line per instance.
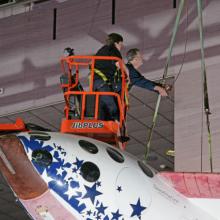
[202, 189]
[195, 185]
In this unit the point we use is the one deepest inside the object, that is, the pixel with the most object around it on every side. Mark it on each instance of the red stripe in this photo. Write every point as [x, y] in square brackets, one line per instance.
[195, 185]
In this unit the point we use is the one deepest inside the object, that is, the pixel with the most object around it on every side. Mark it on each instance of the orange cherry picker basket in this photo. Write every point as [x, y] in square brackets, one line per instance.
[82, 106]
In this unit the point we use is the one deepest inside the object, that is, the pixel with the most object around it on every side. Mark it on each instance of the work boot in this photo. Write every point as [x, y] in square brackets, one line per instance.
[123, 139]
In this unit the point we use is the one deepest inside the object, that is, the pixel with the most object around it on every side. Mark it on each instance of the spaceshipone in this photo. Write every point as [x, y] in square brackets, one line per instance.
[67, 177]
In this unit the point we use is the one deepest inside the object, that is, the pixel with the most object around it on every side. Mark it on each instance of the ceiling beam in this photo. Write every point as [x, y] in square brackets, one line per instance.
[113, 11]
[174, 3]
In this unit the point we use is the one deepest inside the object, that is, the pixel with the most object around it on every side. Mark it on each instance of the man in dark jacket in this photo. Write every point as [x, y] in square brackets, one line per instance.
[135, 60]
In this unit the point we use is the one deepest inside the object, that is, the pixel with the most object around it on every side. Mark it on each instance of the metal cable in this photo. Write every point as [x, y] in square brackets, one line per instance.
[186, 41]
[164, 76]
[204, 82]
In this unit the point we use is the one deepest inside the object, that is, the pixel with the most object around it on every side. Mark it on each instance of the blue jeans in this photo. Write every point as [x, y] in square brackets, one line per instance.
[108, 106]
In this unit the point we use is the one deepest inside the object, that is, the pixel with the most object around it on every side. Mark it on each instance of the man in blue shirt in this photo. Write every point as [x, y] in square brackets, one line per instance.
[135, 60]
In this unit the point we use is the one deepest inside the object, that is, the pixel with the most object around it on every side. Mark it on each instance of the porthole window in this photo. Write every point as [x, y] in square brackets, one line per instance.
[115, 155]
[42, 136]
[42, 157]
[90, 172]
[145, 169]
[88, 146]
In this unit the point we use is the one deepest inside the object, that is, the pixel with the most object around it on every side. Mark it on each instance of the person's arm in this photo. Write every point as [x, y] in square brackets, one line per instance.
[139, 80]
[147, 84]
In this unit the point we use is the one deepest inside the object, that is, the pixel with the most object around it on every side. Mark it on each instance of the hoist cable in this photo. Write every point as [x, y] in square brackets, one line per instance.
[147, 150]
[204, 81]
[186, 41]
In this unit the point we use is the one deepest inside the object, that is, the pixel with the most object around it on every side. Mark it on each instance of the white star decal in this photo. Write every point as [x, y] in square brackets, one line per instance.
[61, 156]
[59, 171]
[70, 192]
[70, 174]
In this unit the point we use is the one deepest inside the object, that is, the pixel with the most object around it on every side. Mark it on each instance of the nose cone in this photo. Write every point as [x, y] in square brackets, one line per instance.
[18, 170]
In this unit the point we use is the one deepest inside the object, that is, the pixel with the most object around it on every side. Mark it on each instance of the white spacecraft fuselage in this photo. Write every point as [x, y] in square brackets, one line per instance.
[88, 179]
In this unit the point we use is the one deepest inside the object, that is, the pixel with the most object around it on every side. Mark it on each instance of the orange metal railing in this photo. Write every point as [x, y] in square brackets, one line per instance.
[68, 64]
[71, 66]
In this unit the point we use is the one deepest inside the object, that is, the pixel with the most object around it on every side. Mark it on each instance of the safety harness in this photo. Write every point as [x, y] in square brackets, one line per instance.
[106, 81]
[114, 84]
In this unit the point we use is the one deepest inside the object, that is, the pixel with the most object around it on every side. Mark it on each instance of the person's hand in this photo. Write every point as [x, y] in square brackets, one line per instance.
[117, 65]
[167, 87]
[161, 91]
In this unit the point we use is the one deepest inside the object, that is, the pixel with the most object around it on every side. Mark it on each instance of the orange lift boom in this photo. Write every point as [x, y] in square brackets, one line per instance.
[17, 126]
